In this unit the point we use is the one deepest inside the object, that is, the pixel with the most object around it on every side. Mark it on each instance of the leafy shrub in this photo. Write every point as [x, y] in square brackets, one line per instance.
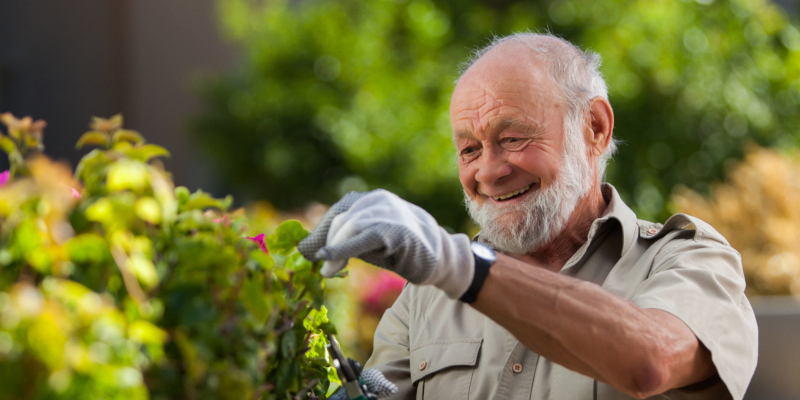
[116, 284]
[358, 303]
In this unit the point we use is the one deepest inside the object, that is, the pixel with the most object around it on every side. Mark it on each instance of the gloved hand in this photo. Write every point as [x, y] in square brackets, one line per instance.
[376, 383]
[382, 229]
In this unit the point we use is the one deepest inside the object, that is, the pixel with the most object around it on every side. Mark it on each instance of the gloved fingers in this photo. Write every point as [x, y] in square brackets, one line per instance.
[330, 268]
[315, 240]
[339, 395]
[357, 212]
[343, 248]
[377, 383]
[388, 246]
[337, 255]
[380, 228]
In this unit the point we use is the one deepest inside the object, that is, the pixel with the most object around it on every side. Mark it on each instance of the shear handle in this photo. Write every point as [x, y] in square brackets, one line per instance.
[346, 372]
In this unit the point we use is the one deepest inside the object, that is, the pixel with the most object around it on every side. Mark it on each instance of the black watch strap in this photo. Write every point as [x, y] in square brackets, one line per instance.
[484, 258]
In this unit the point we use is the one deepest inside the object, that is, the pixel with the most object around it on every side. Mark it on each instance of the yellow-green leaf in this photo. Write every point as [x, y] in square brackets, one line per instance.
[144, 269]
[148, 209]
[263, 259]
[254, 298]
[128, 174]
[281, 274]
[200, 200]
[7, 144]
[145, 332]
[286, 236]
[92, 138]
[128, 136]
[146, 152]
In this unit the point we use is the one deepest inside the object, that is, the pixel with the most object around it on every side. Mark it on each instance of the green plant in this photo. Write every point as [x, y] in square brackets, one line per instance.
[129, 287]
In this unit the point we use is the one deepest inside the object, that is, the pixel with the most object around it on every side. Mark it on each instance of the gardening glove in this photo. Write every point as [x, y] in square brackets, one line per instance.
[376, 383]
[382, 229]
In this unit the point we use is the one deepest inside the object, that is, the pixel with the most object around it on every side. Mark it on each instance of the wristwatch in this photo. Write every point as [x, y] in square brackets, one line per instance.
[484, 258]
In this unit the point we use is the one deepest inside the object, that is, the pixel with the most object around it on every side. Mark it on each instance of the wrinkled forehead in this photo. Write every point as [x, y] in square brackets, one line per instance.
[508, 70]
[502, 86]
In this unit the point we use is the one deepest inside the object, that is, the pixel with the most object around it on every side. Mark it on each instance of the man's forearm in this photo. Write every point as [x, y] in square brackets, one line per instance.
[587, 329]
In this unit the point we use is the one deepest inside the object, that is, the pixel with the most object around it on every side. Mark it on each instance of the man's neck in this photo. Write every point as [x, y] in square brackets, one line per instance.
[558, 251]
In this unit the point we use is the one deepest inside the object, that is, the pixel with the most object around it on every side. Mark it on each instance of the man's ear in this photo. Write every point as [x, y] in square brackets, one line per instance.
[600, 125]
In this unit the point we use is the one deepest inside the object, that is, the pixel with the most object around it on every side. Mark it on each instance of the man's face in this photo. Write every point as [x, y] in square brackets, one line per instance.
[519, 182]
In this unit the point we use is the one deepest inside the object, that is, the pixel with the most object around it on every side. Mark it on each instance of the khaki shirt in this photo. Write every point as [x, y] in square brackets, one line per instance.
[433, 347]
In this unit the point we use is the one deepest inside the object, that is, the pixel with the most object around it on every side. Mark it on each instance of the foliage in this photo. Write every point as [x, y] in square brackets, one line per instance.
[358, 303]
[692, 84]
[757, 209]
[336, 95]
[128, 287]
[24, 136]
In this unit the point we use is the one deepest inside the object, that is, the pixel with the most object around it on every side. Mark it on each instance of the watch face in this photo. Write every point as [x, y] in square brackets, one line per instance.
[483, 251]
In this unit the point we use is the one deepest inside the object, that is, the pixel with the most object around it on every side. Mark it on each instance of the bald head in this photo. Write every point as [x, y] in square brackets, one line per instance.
[574, 72]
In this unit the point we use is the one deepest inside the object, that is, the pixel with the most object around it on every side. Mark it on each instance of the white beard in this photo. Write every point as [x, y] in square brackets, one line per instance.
[531, 224]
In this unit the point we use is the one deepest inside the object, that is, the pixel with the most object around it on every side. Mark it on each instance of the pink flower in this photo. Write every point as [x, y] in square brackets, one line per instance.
[5, 176]
[383, 292]
[260, 239]
[75, 193]
[224, 220]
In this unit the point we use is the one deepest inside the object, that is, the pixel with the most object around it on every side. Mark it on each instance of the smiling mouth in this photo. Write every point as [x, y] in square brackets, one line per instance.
[513, 194]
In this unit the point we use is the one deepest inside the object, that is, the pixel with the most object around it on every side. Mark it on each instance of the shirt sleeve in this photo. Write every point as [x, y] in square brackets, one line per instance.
[391, 353]
[700, 280]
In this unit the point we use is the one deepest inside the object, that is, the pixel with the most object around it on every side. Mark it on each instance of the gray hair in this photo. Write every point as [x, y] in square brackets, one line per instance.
[574, 71]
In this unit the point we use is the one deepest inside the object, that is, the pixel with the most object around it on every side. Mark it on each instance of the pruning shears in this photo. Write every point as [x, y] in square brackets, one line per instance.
[349, 372]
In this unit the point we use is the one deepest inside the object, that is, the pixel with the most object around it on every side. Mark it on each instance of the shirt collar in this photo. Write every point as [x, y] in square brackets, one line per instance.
[617, 210]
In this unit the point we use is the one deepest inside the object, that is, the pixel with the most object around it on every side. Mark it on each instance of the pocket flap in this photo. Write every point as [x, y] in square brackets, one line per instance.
[436, 356]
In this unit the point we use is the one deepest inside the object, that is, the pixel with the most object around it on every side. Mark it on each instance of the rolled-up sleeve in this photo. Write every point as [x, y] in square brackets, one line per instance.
[700, 281]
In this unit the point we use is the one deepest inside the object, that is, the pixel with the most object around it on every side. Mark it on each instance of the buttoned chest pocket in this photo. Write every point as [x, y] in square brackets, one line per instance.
[443, 370]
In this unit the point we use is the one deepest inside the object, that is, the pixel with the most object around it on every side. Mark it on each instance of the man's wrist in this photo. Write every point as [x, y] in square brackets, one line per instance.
[484, 259]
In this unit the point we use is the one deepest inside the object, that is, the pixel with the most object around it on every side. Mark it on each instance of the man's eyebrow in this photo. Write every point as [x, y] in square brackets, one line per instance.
[525, 126]
[463, 135]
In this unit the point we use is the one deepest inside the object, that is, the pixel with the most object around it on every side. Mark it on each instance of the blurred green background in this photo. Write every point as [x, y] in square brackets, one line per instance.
[342, 95]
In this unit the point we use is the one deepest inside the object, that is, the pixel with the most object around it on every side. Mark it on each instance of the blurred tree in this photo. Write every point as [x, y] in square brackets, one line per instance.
[692, 83]
[338, 95]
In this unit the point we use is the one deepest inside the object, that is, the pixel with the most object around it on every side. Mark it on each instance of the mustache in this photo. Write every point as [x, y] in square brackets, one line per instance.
[521, 227]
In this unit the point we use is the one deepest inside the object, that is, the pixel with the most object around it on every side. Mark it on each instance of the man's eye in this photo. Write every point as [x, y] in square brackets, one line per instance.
[514, 143]
[470, 149]
[469, 152]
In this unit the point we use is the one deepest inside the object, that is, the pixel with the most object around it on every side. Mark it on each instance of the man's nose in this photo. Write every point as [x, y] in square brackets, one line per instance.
[493, 166]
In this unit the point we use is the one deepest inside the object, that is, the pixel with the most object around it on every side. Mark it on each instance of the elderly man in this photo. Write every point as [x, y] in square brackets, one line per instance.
[581, 300]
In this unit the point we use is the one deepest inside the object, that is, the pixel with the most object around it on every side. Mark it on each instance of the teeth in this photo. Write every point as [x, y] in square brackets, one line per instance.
[507, 195]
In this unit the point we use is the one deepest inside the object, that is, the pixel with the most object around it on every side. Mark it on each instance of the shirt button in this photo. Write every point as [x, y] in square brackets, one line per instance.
[652, 231]
[517, 368]
[422, 365]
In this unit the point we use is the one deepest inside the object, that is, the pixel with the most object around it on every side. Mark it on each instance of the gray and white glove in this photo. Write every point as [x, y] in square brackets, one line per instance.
[382, 229]
[376, 383]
